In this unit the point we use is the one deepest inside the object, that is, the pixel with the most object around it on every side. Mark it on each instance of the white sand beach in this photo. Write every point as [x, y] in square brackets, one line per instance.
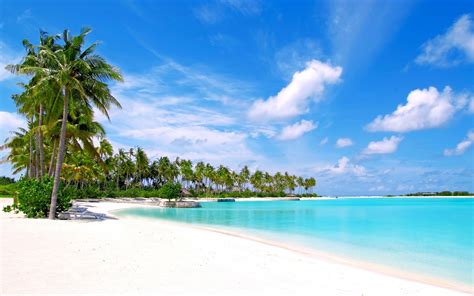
[138, 256]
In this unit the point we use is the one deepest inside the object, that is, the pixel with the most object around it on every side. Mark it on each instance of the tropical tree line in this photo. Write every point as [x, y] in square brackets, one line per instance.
[133, 169]
[66, 82]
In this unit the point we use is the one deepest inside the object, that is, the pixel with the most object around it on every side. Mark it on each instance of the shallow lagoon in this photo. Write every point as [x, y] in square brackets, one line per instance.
[430, 236]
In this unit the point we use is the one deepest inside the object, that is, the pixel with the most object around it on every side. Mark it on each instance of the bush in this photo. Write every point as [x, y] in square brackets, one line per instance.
[170, 191]
[8, 190]
[34, 198]
[6, 180]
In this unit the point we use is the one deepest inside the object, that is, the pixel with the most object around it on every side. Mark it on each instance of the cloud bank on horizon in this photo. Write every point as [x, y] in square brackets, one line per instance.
[244, 83]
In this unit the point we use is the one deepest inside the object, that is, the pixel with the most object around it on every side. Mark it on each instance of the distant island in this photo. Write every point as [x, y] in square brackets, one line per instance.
[439, 193]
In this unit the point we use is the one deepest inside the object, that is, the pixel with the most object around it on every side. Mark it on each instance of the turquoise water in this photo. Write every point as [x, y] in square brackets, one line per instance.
[429, 236]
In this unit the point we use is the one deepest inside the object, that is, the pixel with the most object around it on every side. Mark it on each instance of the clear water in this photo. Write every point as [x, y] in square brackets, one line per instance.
[429, 236]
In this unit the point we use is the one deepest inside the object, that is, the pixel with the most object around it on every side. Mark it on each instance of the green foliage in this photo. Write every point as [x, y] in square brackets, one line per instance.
[74, 192]
[6, 180]
[8, 190]
[248, 194]
[34, 197]
[170, 191]
[441, 193]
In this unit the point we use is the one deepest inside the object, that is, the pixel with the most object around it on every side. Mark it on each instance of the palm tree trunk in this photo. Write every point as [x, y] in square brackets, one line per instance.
[31, 168]
[40, 141]
[37, 171]
[51, 164]
[59, 162]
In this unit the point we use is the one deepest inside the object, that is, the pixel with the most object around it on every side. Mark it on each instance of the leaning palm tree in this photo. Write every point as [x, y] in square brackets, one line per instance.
[80, 77]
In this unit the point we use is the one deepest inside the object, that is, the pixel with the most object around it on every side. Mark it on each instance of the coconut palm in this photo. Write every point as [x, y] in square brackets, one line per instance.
[199, 175]
[78, 76]
[243, 178]
[257, 180]
[141, 164]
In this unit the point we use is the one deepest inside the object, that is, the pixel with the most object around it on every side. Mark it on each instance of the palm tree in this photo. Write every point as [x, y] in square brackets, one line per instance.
[257, 180]
[186, 171]
[309, 183]
[279, 182]
[79, 76]
[290, 182]
[300, 182]
[209, 174]
[33, 100]
[141, 164]
[199, 174]
[243, 178]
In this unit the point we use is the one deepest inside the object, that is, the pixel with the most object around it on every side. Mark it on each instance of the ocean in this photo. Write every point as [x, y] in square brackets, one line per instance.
[428, 236]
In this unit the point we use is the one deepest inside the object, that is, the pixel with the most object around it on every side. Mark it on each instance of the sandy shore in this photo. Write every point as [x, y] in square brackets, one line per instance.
[139, 256]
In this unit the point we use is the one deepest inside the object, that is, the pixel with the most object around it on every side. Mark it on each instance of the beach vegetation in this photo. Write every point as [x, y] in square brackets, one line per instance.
[34, 196]
[67, 79]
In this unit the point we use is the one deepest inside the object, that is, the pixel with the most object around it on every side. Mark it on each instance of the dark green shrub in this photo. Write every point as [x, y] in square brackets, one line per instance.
[6, 180]
[34, 198]
[170, 191]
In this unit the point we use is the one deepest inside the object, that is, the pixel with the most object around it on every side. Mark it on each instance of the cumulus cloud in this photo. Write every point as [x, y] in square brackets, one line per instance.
[343, 142]
[425, 108]
[451, 48]
[386, 146]
[462, 146]
[296, 130]
[293, 99]
[344, 166]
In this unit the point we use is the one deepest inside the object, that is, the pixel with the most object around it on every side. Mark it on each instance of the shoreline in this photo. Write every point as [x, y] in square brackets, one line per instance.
[162, 250]
[318, 254]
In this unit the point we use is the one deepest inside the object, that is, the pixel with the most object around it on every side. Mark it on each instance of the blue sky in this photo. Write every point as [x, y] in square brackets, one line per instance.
[370, 97]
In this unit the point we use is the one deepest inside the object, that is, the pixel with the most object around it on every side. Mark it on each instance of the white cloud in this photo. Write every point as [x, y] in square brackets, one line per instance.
[268, 132]
[471, 106]
[296, 130]
[294, 56]
[451, 48]
[7, 56]
[343, 166]
[186, 112]
[324, 141]
[386, 146]
[462, 146]
[343, 142]
[293, 99]
[425, 108]
[10, 121]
